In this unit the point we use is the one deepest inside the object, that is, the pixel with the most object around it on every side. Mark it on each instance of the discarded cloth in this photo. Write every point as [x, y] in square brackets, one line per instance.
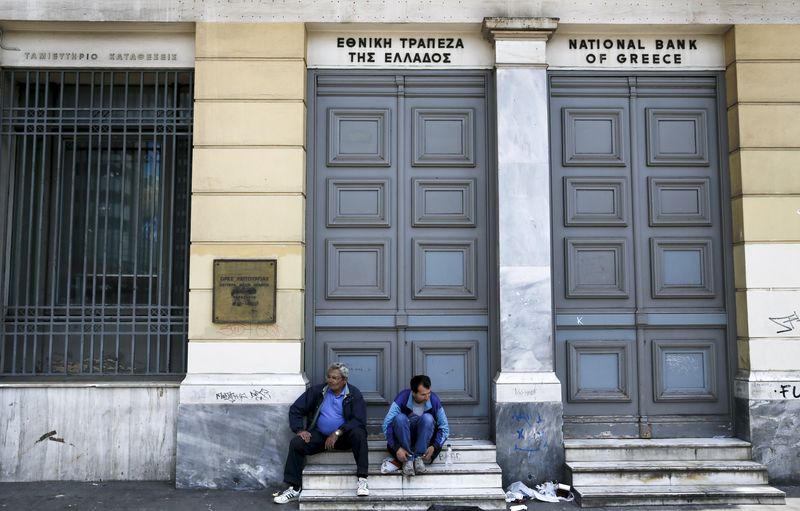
[551, 491]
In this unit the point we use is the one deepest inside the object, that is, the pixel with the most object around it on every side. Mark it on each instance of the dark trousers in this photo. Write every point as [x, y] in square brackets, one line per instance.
[355, 440]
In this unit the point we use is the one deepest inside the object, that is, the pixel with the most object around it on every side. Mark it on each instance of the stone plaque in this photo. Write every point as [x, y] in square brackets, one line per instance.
[244, 290]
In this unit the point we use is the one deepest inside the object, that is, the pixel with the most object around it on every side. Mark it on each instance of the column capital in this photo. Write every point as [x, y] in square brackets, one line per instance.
[519, 42]
[536, 29]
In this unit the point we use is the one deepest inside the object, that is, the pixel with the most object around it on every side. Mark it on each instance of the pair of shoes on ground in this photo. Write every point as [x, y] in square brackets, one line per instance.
[290, 494]
[415, 467]
[551, 491]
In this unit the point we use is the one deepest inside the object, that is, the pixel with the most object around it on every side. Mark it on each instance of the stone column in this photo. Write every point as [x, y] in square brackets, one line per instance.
[248, 202]
[762, 71]
[526, 392]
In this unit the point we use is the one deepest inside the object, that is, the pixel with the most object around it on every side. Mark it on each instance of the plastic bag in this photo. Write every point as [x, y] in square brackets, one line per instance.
[519, 487]
[389, 465]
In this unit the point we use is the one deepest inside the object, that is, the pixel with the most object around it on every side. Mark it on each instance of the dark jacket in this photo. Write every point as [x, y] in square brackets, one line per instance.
[305, 410]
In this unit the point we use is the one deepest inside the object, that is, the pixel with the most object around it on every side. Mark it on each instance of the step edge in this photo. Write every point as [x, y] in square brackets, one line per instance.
[627, 443]
[623, 490]
[654, 465]
[459, 468]
[404, 497]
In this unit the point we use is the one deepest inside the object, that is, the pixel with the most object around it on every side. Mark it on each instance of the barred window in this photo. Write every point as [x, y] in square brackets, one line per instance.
[95, 268]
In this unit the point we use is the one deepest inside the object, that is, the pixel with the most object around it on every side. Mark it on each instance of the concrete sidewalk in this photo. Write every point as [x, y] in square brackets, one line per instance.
[162, 496]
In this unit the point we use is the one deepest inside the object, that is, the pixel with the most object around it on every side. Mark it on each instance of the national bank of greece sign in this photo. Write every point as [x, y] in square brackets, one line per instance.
[635, 51]
[399, 49]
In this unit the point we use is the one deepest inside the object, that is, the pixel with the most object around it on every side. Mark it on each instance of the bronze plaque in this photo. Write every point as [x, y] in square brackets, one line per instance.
[244, 290]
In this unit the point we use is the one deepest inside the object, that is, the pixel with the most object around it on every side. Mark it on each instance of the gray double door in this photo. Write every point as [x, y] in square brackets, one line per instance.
[399, 265]
[641, 271]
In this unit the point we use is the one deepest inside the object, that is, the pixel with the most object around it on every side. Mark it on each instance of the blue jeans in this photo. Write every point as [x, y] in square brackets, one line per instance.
[413, 433]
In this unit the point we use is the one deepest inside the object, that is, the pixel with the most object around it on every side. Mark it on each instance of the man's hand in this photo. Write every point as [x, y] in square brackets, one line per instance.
[428, 454]
[330, 441]
[305, 435]
[402, 455]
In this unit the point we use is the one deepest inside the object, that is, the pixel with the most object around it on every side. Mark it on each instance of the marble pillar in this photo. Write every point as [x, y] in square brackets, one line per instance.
[768, 416]
[526, 392]
[233, 430]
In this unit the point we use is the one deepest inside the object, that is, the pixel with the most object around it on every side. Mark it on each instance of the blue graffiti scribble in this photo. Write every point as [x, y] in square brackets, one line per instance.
[525, 418]
[530, 432]
[535, 448]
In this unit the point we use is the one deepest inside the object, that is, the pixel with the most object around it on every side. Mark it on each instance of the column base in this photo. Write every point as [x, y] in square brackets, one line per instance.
[768, 416]
[233, 430]
[528, 427]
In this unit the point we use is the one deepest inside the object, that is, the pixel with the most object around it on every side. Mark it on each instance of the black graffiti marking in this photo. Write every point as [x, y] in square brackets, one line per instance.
[787, 322]
[231, 397]
[261, 394]
[46, 436]
[785, 390]
[51, 436]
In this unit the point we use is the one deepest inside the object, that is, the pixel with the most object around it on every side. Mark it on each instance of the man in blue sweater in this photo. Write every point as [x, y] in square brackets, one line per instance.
[327, 416]
[416, 426]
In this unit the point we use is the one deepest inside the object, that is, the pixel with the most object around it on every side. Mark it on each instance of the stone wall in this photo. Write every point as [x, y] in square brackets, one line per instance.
[763, 72]
[87, 432]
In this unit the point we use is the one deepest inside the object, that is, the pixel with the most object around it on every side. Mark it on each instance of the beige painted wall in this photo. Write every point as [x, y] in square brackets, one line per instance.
[248, 187]
[763, 71]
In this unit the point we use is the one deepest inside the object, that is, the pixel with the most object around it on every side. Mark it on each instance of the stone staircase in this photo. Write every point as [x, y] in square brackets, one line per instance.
[329, 481]
[634, 472]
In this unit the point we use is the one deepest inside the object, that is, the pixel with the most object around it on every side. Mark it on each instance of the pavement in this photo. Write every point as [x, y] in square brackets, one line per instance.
[162, 496]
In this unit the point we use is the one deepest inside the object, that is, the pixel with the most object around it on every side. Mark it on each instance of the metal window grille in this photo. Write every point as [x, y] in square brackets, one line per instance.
[95, 228]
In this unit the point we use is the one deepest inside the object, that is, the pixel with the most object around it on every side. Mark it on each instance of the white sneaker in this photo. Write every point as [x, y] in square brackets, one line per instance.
[419, 466]
[408, 467]
[363, 487]
[287, 495]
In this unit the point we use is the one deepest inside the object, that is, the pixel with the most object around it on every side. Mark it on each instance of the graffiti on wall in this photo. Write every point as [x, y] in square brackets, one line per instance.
[529, 433]
[789, 391]
[786, 323]
[261, 394]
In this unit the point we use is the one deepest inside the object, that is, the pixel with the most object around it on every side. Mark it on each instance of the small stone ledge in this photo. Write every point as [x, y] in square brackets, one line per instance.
[518, 28]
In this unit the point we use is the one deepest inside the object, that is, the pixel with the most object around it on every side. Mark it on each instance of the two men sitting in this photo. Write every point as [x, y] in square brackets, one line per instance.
[333, 415]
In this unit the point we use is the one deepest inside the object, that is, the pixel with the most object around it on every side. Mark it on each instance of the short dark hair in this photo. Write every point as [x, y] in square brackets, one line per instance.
[418, 380]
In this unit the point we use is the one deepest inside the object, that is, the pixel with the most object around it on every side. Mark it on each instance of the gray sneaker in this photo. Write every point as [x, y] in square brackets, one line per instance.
[408, 467]
[419, 466]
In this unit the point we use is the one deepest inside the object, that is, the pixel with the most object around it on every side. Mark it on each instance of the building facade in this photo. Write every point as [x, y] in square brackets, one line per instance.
[581, 221]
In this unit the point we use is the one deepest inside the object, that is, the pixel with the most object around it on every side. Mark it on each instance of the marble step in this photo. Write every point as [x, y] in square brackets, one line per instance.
[459, 476]
[489, 499]
[665, 473]
[464, 451]
[666, 449]
[601, 496]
